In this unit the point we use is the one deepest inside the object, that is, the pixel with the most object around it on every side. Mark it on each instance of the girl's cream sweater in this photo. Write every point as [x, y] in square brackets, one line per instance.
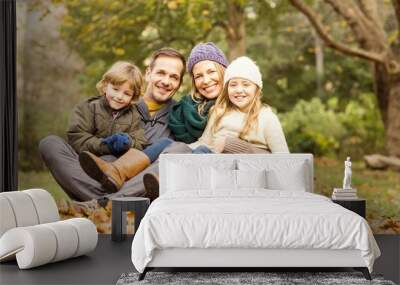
[268, 134]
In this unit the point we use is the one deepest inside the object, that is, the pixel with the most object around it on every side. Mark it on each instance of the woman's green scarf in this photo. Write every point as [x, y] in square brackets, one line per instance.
[185, 122]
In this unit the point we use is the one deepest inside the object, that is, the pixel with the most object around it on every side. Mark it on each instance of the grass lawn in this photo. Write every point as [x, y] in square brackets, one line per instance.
[42, 180]
[381, 189]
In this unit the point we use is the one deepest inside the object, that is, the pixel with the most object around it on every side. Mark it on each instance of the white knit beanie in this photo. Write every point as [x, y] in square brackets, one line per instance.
[243, 67]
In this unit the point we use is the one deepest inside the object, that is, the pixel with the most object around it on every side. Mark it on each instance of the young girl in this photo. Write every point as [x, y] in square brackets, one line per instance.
[106, 125]
[240, 123]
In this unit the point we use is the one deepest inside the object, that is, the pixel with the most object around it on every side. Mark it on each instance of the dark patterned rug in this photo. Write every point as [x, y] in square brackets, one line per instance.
[273, 278]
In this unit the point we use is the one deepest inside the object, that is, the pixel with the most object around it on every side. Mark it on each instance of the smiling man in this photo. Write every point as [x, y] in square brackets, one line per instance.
[164, 77]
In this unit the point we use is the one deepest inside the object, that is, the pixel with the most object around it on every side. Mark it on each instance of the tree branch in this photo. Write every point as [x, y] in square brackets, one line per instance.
[224, 25]
[369, 33]
[329, 41]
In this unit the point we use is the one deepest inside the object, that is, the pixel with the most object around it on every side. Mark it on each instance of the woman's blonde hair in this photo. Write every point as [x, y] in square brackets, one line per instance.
[200, 99]
[224, 106]
[119, 73]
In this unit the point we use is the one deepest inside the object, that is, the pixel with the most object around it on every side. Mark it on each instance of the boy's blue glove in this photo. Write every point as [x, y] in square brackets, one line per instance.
[118, 143]
[122, 142]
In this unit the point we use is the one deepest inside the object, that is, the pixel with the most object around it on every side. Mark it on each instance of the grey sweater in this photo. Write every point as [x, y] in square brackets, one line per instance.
[155, 127]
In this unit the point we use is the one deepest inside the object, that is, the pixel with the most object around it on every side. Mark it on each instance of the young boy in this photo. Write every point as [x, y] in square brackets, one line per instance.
[106, 125]
[109, 123]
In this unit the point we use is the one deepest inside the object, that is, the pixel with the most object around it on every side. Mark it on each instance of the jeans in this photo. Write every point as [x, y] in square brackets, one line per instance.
[154, 151]
[202, 149]
[63, 162]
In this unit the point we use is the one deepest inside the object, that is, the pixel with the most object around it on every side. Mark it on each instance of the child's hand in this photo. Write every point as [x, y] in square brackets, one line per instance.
[122, 143]
[118, 143]
[108, 141]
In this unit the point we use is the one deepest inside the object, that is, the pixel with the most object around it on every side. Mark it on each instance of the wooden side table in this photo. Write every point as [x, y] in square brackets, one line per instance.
[120, 206]
[356, 205]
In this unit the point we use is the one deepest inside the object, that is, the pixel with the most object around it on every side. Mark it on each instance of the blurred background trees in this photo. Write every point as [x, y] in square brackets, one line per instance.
[374, 39]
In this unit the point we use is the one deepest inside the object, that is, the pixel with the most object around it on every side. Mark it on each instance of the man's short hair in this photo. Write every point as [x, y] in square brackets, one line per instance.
[170, 52]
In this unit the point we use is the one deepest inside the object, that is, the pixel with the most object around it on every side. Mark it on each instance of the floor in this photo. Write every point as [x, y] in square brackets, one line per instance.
[111, 259]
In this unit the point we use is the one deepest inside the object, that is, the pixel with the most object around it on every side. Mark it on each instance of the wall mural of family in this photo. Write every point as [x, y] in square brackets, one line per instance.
[115, 138]
[205, 77]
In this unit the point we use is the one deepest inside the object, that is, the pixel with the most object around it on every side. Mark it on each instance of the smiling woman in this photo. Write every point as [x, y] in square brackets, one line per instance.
[189, 116]
[207, 79]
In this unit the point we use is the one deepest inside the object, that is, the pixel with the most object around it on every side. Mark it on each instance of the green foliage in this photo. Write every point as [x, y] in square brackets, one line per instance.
[364, 127]
[103, 31]
[312, 127]
[93, 73]
[325, 129]
[287, 62]
[279, 40]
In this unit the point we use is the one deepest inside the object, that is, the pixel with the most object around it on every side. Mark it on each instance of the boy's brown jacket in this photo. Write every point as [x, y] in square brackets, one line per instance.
[93, 119]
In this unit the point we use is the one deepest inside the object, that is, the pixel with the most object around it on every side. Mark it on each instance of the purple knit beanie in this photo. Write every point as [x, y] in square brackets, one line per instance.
[206, 51]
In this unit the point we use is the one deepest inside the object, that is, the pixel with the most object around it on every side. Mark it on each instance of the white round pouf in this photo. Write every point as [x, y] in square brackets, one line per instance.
[23, 208]
[67, 240]
[7, 220]
[46, 207]
[87, 235]
[31, 233]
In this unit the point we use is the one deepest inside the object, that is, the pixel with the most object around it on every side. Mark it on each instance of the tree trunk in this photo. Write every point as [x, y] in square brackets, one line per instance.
[319, 62]
[382, 90]
[236, 30]
[387, 90]
[393, 119]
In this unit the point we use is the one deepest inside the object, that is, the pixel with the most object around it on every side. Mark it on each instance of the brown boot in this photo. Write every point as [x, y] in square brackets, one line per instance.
[112, 175]
[151, 186]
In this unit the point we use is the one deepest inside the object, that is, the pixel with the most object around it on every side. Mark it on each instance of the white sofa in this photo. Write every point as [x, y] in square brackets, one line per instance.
[31, 231]
[202, 197]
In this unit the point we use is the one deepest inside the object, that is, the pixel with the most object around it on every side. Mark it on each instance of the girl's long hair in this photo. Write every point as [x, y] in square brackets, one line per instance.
[200, 99]
[223, 106]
